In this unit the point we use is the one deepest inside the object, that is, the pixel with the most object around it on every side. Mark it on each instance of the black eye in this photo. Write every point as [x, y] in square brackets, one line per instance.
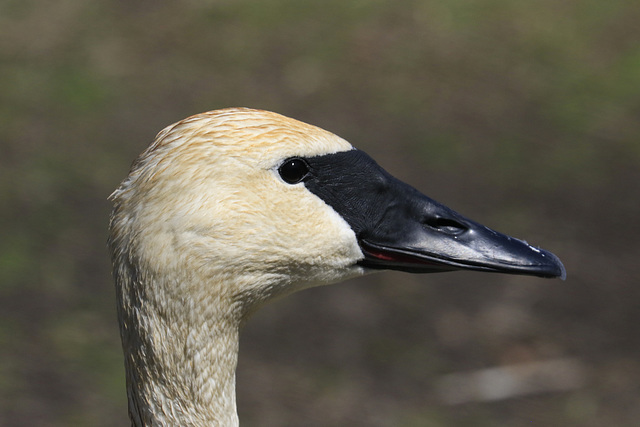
[293, 170]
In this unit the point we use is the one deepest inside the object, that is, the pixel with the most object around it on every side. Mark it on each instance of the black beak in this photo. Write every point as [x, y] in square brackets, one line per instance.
[432, 238]
[399, 228]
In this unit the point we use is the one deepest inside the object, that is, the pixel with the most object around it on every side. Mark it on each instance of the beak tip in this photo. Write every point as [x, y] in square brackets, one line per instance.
[556, 268]
[559, 272]
[563, 272]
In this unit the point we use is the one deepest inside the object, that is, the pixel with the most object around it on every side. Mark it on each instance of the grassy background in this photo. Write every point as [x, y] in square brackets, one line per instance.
[520, 114]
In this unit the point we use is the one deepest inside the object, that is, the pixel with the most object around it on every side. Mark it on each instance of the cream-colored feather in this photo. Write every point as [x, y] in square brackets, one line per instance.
[203, 232]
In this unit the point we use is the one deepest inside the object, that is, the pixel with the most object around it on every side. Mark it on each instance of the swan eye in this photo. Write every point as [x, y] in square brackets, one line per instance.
[293, 170]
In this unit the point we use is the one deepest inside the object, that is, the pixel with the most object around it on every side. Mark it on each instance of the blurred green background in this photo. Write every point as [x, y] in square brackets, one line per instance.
[520, 114]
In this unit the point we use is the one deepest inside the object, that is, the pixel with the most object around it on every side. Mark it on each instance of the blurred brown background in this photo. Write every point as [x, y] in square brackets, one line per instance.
[520, 114]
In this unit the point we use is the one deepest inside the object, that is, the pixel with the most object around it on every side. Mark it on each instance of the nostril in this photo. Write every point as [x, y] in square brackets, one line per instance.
[445, 225]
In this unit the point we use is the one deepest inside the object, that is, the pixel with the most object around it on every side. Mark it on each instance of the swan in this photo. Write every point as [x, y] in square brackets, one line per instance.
[229, 209]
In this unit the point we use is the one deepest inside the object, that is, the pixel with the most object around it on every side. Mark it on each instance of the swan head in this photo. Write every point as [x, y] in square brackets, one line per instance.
[245, 205]
[207, 199]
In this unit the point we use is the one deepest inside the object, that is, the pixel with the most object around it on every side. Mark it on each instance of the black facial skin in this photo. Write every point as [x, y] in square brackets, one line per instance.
[399, 228]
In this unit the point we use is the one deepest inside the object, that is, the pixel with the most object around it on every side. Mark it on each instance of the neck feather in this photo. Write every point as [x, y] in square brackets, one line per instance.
[180, 355]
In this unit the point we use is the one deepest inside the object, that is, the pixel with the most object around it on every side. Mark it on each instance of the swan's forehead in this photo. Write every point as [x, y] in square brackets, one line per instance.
[258, 137]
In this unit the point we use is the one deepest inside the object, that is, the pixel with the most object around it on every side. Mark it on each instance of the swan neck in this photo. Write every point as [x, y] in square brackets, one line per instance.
[180, 361]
